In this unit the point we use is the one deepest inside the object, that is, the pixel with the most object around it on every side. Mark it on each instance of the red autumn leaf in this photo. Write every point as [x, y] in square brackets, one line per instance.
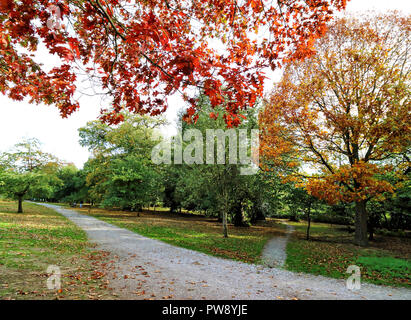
[152, 48]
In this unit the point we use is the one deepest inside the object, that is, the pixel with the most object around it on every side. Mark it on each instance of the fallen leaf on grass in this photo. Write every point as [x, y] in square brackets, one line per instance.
[140, 293]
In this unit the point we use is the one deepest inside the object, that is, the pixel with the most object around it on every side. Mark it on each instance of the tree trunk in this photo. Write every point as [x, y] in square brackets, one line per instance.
[238, 215]
[256, 214]
[225, 231]
[308, 220]
[361, 223]
[294, 217]
[371, 236]
[20, 210]
[259, 215]
[220, 217]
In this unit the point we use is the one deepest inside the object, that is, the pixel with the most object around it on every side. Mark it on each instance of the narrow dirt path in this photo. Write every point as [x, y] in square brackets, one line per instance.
[144, 268]
[274, 252]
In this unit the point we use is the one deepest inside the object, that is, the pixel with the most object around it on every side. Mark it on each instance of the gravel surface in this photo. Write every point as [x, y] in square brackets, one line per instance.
[145, 268]
[274, 253]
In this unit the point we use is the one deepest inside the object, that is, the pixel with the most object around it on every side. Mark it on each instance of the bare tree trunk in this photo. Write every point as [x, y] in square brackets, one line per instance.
[371, 223]
[294, 217]
[308, 220]
[225, 229]
[238, 215]
[371, 236]
[20, 210]
[361, 223]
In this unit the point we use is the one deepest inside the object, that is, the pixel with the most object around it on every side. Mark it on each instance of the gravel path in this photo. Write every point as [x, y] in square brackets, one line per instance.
[145, 268]
[274, 253]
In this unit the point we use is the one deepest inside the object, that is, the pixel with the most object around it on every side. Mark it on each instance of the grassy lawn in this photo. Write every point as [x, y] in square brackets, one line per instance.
[195, 232]
[40, 237]
[330, 251]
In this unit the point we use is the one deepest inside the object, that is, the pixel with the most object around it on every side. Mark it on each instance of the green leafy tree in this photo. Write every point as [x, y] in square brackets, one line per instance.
[219, 189]
[28, 172]
[73, 187]
[121, 173]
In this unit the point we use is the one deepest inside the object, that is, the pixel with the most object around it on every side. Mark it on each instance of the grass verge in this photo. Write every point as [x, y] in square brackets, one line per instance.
[40, 237]
[330, 251]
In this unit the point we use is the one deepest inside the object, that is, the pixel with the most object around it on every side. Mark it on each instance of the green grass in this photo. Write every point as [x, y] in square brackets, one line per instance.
[330, 251]
[36, 239]
[387, 267]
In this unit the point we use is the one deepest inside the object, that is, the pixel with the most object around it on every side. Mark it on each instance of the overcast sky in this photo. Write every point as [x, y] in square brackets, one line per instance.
[59, 136]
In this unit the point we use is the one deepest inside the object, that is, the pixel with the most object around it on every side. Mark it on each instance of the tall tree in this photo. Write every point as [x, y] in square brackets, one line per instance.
[73, 187]
[28, 171]
[345, 113]
[218, 187]
[121, 172]
[141, 52]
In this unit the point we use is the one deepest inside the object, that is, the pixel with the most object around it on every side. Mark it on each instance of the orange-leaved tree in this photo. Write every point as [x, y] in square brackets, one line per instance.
[339, 122]
[141, 52]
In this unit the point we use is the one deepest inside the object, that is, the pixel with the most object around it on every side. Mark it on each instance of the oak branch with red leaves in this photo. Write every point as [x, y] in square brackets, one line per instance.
[141, 52]
[344, 114]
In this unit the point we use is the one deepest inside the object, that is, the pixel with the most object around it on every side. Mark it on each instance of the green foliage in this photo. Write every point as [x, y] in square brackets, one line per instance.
[215, 189]
[26, 184]
[131, 183]
[27, 156]
[28, 172]
[121, 173]
[73, 187]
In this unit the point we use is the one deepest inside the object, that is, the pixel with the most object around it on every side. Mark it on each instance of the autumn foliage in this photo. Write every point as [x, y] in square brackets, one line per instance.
[338, 123]
[141, 52]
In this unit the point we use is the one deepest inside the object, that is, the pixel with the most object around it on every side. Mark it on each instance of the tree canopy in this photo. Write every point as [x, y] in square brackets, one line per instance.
[27, 171]
[141, 52]
[121, 173]
[345, 113]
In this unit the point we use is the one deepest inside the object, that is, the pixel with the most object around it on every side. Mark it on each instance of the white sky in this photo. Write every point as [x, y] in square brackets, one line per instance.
[59, 136]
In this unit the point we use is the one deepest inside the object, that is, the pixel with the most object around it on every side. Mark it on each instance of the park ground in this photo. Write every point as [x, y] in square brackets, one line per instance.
[329, 252]
[41, 237]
